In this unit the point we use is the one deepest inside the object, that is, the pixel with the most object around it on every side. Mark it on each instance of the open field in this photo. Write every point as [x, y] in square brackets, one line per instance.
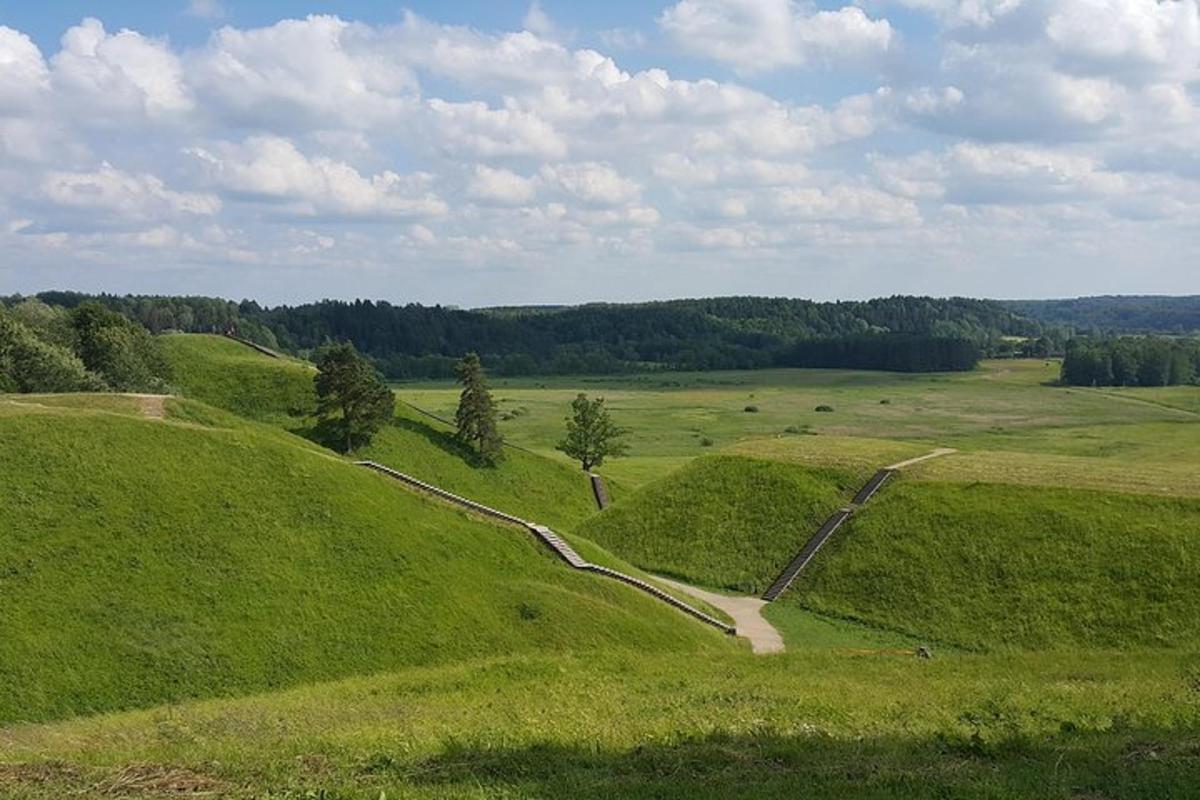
[1005, 405]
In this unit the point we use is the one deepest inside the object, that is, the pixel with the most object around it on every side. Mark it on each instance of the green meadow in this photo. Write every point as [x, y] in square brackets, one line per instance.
[214, 604]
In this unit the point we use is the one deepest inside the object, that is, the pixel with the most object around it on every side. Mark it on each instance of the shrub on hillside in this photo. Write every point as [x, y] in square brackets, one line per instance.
[824, 409]
[751, 409]
[28, 364]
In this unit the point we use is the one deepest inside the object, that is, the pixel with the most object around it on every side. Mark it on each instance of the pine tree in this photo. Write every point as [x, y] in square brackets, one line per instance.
[476, 415]
[591, 434]
[351, 396]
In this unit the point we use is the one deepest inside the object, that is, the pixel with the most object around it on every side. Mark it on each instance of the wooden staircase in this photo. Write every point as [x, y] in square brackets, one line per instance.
[792, 571]
[552, 540]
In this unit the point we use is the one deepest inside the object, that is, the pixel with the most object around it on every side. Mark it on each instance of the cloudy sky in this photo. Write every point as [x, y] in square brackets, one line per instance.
[487, 151]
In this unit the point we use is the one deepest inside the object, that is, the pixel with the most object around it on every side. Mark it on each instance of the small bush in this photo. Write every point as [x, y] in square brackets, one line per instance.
[793, 429]
[825, 409]
[885, 402]
[751, 409]
[706, 442]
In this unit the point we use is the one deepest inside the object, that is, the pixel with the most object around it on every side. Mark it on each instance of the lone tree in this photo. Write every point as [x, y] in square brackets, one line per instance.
[591, 434]
[350, 395]
[476, 415]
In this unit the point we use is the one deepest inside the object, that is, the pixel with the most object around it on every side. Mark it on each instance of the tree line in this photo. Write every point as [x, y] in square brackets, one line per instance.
[90, 348]
[1131, 361]
[415, 341]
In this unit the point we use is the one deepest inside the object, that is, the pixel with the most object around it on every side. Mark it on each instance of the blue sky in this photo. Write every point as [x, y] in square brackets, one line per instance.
[508, 152]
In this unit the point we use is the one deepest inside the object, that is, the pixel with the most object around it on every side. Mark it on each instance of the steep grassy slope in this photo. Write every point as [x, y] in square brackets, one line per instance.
[987, 565]
[528, 485]
[237, 378]
[143, 561]
[725, 521]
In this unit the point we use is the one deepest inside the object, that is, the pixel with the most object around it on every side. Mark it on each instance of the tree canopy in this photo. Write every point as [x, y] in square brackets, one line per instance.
[476, 414]
[592, 436]
[352, 401]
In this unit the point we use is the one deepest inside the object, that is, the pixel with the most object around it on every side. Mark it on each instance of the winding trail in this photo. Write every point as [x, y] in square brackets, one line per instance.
[746, 612]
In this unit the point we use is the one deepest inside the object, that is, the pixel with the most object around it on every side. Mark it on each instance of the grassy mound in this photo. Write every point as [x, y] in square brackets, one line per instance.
[146, 561]
[725, 521]
[984, 565]
[237, 378]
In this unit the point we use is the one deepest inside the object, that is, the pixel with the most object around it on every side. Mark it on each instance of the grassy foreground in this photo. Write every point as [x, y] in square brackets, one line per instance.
[818, 725]
[144, 561]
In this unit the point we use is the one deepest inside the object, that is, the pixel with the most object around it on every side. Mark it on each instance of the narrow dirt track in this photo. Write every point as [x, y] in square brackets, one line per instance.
[941, 451]
[746, 613]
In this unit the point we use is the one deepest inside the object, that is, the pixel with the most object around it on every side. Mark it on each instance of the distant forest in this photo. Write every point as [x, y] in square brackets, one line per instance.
[1131, 361]
[1116, 315]
[906, 334]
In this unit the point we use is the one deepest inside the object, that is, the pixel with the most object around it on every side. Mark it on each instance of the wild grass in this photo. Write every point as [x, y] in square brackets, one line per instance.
[229, 375]
[824, 725]
[670, 414]
[146, 561]
[728, 522]
[991, 566]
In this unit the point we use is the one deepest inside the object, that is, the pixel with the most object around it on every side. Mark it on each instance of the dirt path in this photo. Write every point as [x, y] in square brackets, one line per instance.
[746, 613]
[151, 405]
[941, 451]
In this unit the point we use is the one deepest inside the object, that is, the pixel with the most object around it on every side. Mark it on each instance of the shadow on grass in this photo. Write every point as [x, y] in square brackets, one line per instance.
[1079, 766]
[443, 440]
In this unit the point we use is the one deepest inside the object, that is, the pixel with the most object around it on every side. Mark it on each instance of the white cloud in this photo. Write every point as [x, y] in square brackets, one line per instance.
[104, 76]
[23, 73]
[592, 183]
[272, 168]
[111, 191]
[500, 186]
[759, 35]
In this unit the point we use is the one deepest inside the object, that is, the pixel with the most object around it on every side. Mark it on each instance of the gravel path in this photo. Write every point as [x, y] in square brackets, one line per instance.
[746, 613]
[941, 451]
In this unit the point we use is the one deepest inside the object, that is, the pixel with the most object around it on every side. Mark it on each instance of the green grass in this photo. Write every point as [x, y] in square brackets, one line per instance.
[1005, 405]
[813, 725]
[989, 565]
[237, 378]
[728, 522]
[143, 561]
[524, 484]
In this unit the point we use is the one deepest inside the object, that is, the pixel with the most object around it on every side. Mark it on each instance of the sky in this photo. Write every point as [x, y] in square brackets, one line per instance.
[490, 152]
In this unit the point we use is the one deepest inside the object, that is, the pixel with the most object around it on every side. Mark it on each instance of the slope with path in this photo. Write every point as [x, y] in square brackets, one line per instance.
[553, 541]
[839, 518]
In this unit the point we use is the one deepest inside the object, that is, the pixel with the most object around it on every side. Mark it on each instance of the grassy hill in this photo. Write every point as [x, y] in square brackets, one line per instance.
[237, 378]
[725, 521]
[144, 561]
[985, 565]
[234, 377]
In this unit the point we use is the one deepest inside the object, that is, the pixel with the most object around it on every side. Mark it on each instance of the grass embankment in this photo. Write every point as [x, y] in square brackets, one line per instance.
[728, 522]
[989, 565]
[145, 561]
[526, 485]
[1029, 725]
[237, 378]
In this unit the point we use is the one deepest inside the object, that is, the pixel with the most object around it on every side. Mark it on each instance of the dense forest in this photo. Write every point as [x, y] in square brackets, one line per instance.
[1115, 315]
[1131, 361]
[414, 341]
[90, 348]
